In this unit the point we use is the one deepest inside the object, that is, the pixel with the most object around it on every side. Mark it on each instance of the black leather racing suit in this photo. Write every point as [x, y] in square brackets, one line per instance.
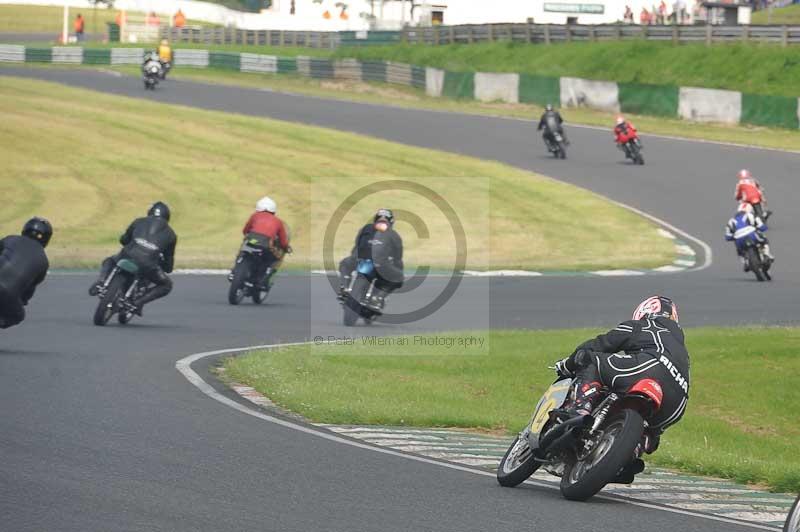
[150, 243]
[23, 266]
[551, 122]
[634, 350]
[385, 249]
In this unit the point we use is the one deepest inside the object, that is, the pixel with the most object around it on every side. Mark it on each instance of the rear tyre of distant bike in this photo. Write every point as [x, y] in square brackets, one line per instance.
[241, 273]
[620, 435]
[517, 464]
[108, 303]
[754, 261]
[562, 151]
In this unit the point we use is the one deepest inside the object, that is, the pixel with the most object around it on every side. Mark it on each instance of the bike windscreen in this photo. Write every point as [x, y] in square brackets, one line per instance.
[554, 397]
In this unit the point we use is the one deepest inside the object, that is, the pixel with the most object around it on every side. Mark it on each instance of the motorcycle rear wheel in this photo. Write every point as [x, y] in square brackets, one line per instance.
[621, 434]
[755, 263]
[108, 304]
[517, 464]
[236, 292]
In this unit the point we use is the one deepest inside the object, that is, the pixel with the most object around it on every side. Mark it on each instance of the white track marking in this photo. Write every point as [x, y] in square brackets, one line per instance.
[184, 365]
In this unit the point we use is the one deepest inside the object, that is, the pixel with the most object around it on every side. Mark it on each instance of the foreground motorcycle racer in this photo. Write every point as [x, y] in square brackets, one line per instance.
[23, 266]
[265, 227]
[551, 122]
[744, 226]
[748, 190]
[150, 243]
[650, 345]
[380, 243]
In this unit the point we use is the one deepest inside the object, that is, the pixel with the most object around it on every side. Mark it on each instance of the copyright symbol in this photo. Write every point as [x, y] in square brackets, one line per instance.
[318, 340]
[416, 280]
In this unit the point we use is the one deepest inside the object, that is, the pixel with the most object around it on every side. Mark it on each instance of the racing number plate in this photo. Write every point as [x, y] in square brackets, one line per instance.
[552, 398]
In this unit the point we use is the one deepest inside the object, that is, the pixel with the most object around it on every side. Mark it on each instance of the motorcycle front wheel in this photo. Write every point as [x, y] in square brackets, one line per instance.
[793, 520]
[517, 464]
[614, 450]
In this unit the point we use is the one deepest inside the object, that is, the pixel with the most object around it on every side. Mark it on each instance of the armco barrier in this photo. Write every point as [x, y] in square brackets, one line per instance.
[658, 100]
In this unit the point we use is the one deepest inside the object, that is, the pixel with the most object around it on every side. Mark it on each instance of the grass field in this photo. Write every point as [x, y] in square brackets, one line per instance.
[92, 163]
[789, 15]
[22, 19]
[741, 421]
[408, 97]
[756, 69]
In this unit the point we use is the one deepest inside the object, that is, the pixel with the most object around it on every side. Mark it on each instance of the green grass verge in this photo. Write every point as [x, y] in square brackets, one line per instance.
[92, 162]
[381, 93]
[756, 69]
[789, 15]
[23, 18]
[741, 421]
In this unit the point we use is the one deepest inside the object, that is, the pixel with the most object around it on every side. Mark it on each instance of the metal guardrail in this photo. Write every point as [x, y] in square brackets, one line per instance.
[306, 39]
[553, 33]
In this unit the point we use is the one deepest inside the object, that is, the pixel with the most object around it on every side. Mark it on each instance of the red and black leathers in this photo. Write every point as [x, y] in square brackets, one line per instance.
[268, 225]
[635, 350]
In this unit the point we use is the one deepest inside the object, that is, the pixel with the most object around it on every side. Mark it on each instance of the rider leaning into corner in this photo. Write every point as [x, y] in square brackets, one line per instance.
[380, 243]
[150, 243]
[270, 231]
[624, 131]
[746, 225]
[23, 266]
[551, 121]
[651, 345]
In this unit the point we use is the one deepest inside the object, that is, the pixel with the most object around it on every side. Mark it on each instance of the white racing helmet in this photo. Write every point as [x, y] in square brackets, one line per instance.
[267, 204]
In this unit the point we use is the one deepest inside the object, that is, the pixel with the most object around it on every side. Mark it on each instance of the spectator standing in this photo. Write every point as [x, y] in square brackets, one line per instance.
[628, 17]
[179, 20]
[662, 12]
[644, 16]
[80, 25]
[153, 20]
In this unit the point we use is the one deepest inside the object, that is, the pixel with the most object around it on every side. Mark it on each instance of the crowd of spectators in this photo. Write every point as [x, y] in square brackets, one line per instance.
[662, 13]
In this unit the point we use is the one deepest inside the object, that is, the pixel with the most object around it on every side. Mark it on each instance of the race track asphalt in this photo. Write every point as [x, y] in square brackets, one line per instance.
[100, 432]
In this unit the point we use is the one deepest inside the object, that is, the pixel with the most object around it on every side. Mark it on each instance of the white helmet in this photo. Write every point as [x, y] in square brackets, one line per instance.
[266, 204]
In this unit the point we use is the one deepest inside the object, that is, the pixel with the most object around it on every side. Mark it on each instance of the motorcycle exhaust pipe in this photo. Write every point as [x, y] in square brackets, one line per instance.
[558, 433]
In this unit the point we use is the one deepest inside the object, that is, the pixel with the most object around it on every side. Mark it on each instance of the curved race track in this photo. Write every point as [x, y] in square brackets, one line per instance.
[99, 432]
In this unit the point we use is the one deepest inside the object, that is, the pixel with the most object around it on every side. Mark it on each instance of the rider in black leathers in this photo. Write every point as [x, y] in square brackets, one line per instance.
[551, 122]
[651, 345]
[23, 266]
[380, 243]
[150, 243]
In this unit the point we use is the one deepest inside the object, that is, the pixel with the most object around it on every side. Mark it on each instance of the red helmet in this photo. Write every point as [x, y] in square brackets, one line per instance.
[745, 174]
[656, 307]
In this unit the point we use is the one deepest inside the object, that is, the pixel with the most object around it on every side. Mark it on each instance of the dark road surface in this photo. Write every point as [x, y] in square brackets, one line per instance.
[100, 432]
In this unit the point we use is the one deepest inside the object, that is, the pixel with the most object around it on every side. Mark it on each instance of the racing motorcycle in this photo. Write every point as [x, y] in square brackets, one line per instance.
[587, 452]
[793, 520]
[633, 150]
[117, 292]
[243, 278]
[151, 72]
[756, 261]
[360, 298]
[554, 142]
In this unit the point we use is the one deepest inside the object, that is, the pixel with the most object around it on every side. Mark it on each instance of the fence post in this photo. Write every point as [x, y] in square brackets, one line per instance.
[436, 35]
[619, 32]
[569, 33]
[644, 31]
[491, 32]
[470, 35]
[674, 34]
[547, 33]
[784, 36]
[528, 33]
[452, 34]
[591, 34]
[709, 29]
[269, 37]
[745, 33]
